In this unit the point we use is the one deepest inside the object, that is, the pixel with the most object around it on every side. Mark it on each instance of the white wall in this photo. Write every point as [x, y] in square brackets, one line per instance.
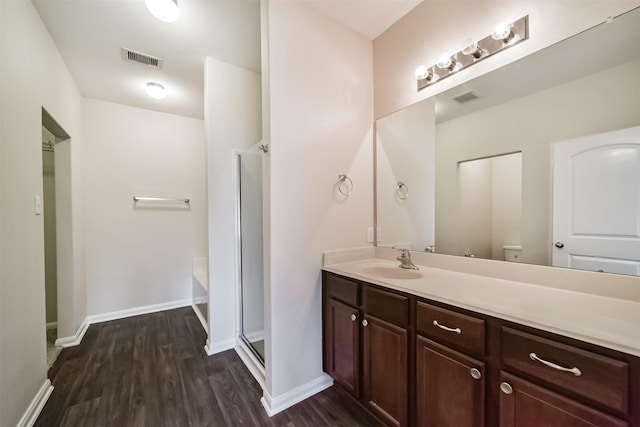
[34, 77]
[597, 103]
[405, 151]
[434, 27]
[233, 122]
[321, 109]
[141, 253]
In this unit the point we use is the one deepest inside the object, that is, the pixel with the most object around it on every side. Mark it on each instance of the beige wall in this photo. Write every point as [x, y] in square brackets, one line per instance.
[140, 254]
[34, 77]
[598, 103]
[321, 113]
[434, 27]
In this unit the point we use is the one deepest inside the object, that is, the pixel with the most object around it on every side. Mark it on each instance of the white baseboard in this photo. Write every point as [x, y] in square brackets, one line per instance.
[114, 315]
[251, 362]
[220, 346]
[35, 407]
[136, 311]
[200, 317]
[298, 394]
[74, 339]
[52, 325]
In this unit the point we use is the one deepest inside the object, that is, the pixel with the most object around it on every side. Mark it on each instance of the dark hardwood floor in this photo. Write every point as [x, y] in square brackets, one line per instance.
[151, 370]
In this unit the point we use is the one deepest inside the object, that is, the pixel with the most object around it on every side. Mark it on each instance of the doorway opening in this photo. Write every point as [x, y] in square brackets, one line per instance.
[56, 212]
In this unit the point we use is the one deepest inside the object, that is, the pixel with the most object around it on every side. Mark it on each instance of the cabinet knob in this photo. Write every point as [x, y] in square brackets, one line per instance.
[364, 322]
[353, 317]
[475, 374]
[506, 388]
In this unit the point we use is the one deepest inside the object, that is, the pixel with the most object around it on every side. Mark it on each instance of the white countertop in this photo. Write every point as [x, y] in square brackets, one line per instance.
[609, 322]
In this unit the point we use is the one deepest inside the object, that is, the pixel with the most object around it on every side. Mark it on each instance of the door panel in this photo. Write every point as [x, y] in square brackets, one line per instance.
[385, 370]
[529, 405]
[596, 202]
[446, 392]
[343, 343]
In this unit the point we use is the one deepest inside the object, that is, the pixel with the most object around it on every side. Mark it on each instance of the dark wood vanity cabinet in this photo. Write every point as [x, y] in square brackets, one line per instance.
[365, 340]
[417, 362]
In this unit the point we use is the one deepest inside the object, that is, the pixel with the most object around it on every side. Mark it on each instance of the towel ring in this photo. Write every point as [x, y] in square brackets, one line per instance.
[345, 185]
[402, 191]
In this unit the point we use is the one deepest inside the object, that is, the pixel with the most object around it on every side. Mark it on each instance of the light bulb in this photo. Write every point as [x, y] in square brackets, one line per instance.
[421, 72]
[502, 32]
[446, 61]
[164, 10]
[469, 47]
[156, 90]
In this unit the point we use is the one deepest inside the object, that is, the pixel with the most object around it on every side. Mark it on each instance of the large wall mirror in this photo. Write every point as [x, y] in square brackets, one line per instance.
[478, 170]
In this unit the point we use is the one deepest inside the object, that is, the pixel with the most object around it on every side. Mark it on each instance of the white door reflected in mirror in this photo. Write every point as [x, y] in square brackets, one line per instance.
[596, 202]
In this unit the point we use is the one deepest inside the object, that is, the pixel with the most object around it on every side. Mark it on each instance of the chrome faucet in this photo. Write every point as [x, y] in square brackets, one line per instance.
[405, 260]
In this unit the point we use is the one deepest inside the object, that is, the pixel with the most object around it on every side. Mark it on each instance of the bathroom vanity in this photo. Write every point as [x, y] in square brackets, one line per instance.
[435, 347]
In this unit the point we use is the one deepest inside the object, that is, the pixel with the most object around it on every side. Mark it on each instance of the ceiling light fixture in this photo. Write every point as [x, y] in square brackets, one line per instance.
[164, 10]
[156, 90]
[503, 37]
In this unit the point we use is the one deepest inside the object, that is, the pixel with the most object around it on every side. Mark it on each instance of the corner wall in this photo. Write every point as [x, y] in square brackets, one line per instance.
[33, 76]
[321, 110]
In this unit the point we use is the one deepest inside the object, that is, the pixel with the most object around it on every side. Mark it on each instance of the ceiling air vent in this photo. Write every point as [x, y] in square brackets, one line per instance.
[142, 58]
[466, 97]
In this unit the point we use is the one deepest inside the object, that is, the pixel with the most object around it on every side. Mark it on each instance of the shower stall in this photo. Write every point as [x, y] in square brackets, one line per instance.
[251, 250]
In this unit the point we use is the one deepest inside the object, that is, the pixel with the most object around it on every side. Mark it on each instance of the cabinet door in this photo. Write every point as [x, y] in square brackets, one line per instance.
[525, 404]
[385, 370]
[449, 387]
[342, 345]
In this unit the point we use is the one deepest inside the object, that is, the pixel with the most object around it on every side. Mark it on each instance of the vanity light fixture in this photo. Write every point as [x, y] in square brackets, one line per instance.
[164, 10]
[503, 37]
[156, 90]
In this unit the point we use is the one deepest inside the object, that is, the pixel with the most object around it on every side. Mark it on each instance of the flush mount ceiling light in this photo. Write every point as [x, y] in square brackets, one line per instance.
[503, 37]
[156, 90]
[164, 10]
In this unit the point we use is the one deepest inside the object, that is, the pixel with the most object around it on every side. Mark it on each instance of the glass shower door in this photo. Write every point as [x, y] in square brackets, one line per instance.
[252, 274]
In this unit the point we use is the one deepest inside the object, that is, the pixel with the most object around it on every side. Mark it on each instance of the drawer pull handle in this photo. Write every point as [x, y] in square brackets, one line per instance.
[574, 371]
[446, 328]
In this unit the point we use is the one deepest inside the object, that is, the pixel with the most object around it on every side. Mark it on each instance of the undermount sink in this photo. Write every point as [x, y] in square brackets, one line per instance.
[393, 273]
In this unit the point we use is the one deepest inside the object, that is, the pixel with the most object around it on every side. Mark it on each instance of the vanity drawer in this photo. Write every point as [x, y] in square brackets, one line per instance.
[449, 327]
[342, 289]
[387, 306]
[600, 379]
